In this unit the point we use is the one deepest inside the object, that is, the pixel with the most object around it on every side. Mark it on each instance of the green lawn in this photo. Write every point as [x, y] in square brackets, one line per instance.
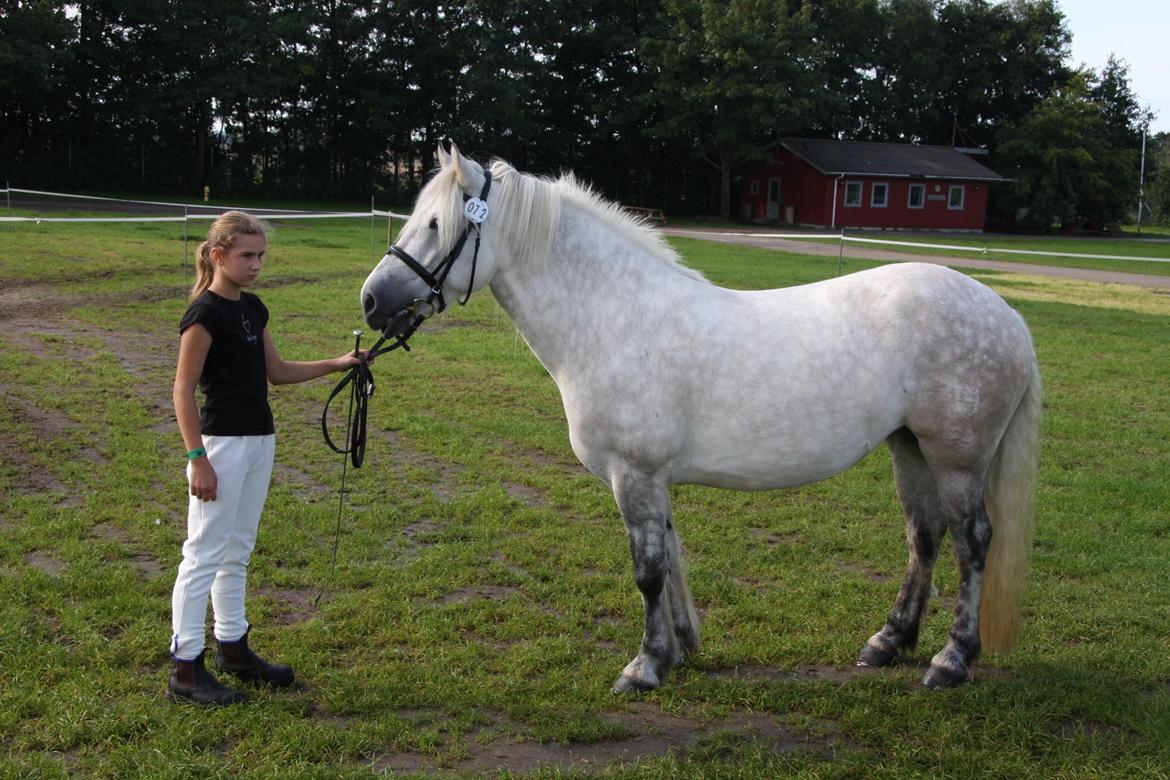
[483, 600]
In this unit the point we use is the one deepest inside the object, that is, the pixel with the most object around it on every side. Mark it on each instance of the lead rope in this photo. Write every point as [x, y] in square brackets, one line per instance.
[361, 388]
[361, 380]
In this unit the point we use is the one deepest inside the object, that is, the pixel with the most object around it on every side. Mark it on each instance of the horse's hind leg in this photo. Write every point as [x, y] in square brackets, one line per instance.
[671, 625]
[925, 523]
[961, 493]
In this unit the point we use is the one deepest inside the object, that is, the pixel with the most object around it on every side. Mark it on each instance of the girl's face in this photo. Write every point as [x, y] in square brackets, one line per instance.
[240, 263]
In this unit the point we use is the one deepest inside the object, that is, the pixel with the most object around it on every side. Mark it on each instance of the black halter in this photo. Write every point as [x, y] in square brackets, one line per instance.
[439, 276]
[360, 376]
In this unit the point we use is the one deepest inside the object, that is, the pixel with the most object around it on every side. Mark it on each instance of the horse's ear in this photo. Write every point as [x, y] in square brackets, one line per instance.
[468, 175]
[444, 156]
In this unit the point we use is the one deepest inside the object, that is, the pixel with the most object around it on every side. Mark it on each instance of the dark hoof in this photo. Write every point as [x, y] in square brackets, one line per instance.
[631, 685]
[876, 657]
[941, 677]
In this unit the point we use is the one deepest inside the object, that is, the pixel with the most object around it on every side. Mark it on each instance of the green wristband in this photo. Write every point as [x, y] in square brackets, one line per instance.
[198, 452]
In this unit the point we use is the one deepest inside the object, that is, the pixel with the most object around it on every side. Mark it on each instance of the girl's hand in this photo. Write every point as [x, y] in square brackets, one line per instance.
[203, 480]
[349, 360]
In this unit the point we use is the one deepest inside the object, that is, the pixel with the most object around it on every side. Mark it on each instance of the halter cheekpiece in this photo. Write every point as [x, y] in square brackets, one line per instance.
[476, 211]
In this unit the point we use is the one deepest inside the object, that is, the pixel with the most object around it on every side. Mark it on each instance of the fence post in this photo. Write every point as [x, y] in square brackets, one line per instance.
[184, 236]
[840, 251]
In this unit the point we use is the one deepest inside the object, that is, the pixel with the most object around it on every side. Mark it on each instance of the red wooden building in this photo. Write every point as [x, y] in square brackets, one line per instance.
[861, 184]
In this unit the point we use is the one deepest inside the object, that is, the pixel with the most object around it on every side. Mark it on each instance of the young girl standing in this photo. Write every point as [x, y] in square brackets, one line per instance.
[226, 350]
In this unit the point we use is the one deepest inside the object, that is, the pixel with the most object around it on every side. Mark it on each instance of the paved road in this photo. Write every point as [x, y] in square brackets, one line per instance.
[828, 247]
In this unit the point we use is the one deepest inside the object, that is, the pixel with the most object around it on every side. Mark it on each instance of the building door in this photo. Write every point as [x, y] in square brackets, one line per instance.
[773, 199]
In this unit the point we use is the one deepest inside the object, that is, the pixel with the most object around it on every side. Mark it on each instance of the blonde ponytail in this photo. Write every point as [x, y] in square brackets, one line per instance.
[204, 269]
[222, 234]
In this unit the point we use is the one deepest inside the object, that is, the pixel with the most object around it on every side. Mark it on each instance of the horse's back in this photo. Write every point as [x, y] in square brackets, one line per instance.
[819, 375]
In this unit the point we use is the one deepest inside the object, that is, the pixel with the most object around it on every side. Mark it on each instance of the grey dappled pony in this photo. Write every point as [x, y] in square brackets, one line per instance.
[667, 378]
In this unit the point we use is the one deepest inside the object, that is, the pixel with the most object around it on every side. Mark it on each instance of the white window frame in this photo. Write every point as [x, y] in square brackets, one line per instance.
[910, 196]
[860, 194]
[962, 190]
[873, 190]
[755, 187]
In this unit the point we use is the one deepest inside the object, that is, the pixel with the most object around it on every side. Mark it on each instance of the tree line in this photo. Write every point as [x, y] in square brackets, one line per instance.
[655, 102]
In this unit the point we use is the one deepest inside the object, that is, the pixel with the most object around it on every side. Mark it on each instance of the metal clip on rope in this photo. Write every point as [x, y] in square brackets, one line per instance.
[360, 381]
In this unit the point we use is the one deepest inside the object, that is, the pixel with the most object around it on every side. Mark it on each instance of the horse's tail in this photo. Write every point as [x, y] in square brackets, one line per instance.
[684, 618]
[1010, 498]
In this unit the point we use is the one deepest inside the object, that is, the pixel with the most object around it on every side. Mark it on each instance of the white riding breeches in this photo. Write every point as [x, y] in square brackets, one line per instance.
[220, 538]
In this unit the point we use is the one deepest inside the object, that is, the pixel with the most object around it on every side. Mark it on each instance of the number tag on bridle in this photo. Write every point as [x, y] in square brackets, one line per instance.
[476, 210]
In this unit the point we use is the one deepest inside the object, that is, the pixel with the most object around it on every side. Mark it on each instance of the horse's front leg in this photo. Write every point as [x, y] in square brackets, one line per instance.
[671, 626]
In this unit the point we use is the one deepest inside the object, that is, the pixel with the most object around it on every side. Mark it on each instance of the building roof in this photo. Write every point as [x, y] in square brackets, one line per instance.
[869, 158]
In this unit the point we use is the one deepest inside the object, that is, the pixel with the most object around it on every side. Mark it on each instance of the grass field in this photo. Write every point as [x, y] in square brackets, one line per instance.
[483, 601]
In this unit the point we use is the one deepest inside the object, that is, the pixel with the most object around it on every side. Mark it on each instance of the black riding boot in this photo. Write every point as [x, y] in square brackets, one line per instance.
[237, 658]
[191, 681]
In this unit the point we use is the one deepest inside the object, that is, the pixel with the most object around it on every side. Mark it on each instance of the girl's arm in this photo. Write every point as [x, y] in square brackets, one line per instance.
[193, 347]
[287, 372]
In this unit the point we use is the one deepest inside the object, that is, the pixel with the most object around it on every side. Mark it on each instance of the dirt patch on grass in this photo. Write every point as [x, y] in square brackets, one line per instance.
[22, 299]
[643, 731]
[44, 563]
[288, 605]
[489, 592]
[21, 461]
[1077, 728]
[29, 478]
[414, 538]
[298, 482]
[861, 569]
[530, 496]
[147, 564]
[38, 327]
[510, 567]
[425, 469]
[32, 323]
[770, 539]
[806, 673]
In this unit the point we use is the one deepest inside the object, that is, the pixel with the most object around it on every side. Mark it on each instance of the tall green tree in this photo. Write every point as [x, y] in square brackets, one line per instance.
[731, 75]
[847, 38]
[34, 55]
[1066, 167]
[999, 60]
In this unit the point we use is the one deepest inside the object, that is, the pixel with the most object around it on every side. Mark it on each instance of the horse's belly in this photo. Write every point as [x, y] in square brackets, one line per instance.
[797, 451]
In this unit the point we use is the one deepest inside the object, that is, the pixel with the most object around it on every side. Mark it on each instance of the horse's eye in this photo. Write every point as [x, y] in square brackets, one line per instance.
[434, 223]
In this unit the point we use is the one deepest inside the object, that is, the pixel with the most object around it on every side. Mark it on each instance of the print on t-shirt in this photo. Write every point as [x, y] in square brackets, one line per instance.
[247, 323]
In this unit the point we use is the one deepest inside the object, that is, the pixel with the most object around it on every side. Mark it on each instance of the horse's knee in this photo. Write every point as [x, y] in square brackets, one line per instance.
[650, 579]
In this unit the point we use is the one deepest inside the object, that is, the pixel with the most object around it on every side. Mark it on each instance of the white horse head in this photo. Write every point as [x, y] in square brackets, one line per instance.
[466, 222]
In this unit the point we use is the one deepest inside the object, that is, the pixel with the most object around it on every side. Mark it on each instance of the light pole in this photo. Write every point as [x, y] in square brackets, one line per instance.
[1142, 174]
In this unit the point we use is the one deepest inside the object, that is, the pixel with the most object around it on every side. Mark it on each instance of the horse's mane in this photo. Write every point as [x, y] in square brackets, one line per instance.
[533, 205]
[526, 210]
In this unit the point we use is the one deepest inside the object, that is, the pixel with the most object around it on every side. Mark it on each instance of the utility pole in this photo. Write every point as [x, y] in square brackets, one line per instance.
[1142, 176]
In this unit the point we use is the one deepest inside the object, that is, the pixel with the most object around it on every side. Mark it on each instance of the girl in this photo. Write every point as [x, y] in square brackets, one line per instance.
[226, 349]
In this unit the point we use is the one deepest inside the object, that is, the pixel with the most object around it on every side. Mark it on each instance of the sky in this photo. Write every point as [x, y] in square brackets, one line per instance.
[1137, 31]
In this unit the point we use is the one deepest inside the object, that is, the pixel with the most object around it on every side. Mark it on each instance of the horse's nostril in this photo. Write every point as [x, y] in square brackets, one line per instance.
[369, 304]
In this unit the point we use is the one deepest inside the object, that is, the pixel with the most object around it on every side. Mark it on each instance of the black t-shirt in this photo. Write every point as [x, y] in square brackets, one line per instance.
[234, 379]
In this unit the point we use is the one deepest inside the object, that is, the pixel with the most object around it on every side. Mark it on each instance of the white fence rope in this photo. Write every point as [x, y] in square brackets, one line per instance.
[284, 214]
[984, 250]
[262, 212]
